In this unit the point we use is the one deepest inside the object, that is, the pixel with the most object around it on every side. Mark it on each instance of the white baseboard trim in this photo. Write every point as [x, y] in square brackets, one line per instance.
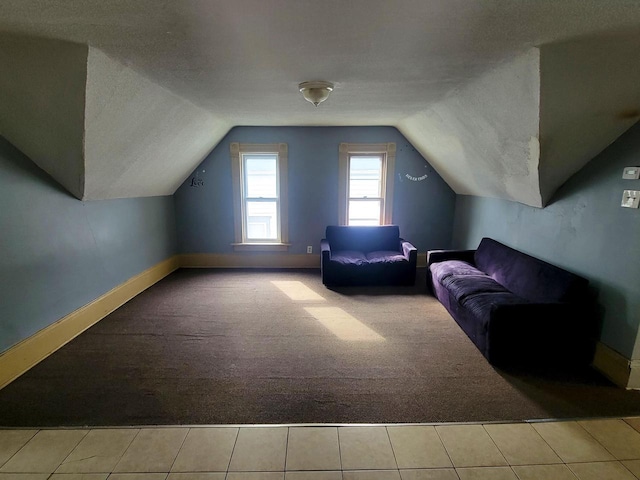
[24, 355]
[616, 367]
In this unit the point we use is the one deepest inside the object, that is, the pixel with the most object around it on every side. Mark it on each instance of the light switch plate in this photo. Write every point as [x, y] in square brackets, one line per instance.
[630, 198]
[631, 173]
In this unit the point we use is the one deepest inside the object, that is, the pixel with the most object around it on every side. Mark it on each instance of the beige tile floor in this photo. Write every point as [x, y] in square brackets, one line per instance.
[602, 449]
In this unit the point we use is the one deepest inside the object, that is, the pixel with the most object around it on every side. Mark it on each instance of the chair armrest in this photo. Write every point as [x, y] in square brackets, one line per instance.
[325, 249]
[434, 256]
[409, 251]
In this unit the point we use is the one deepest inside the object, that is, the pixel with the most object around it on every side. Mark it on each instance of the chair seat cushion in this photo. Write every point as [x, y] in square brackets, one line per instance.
[348, 257]
[386, 256]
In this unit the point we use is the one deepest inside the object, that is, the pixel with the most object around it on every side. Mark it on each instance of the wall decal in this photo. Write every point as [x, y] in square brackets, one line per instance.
[416, 179]
[196, 181]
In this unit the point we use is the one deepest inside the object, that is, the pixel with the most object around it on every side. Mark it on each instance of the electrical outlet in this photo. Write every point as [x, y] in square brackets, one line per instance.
[630, 198]
[309, 249]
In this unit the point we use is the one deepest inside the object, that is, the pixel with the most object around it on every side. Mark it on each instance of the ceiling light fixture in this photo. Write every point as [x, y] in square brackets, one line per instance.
[315, 92]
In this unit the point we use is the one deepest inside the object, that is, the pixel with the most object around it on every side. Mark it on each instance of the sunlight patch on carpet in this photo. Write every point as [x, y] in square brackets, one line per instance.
[297, 291]
[343, 325]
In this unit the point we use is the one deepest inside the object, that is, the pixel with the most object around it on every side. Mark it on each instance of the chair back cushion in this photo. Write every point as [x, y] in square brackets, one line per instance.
[363, 238]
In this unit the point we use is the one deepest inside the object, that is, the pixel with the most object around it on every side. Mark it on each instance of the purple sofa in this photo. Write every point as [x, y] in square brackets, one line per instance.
[367, 255]
[514, 307]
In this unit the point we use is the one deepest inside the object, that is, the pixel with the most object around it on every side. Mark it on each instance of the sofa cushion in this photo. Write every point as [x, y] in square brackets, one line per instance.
[348, 257]
[526, 276]
[463, 286]
[364, 238]
[442, 270]
[386, 256]
[482, 304]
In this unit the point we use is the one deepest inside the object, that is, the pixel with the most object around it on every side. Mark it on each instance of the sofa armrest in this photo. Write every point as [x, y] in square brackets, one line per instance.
[409, 251]
[434, 256]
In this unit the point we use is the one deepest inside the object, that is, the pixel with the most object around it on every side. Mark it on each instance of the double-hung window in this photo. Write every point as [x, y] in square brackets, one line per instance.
[260, 197]
[366, 183]
[260, 205]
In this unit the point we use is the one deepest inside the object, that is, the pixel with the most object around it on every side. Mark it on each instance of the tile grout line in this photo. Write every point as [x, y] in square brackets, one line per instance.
[86, 432]
[626, 468]
[626, 420]
[286, 453]
[497, 447]
[446, 450]
[596, 440]
[567, 464]
[125, 451]
[393, 451]
[76, 447]
[561, 462]
[233, 449]
[340, 453]
[184, 440]
[551, 447]
[577, 422]
[19, 450]
[603, 446]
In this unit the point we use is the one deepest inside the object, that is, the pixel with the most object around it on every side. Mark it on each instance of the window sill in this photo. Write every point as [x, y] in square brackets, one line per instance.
[261, 247]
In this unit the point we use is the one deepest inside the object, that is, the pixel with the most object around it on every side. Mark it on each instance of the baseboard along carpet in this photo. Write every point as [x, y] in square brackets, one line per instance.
[277, 347]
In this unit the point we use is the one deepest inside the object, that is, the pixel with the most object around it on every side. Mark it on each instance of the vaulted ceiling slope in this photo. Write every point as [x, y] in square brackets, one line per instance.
[504, 98]
[99, 128]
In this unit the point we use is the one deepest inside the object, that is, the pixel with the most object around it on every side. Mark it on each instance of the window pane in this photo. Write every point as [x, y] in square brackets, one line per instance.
[261, 176]
[262, 221]
[364, 212]
[365, 176]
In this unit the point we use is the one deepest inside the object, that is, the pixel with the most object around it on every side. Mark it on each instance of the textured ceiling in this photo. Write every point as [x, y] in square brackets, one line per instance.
[242, 60]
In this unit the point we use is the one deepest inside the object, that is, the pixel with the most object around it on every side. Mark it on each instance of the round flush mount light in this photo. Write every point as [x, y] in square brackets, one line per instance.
[316, 92]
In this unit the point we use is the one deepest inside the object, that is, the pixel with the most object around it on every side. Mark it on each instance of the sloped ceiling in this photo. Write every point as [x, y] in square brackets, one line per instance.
[140, 139]
[590, 95]
[42, 93]
[165, 80]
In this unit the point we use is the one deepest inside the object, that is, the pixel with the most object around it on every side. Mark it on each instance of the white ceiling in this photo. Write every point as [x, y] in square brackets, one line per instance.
[242, 60]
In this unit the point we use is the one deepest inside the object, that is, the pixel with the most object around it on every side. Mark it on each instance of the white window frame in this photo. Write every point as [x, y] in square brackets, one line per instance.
[387, 151]
[238, 151]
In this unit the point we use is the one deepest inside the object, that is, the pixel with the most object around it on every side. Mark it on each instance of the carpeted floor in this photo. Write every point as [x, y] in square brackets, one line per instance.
[240, 347]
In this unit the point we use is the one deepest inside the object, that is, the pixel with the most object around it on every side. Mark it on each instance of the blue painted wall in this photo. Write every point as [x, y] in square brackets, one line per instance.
[584, 230]
[423, 209]
[58, 253]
